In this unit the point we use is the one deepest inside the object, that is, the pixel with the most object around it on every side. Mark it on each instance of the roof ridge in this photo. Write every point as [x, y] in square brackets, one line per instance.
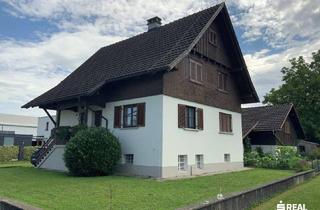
[185, 33]
[165, 25]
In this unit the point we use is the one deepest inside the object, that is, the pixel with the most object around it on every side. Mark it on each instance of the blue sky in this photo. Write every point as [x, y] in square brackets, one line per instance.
[41, 42]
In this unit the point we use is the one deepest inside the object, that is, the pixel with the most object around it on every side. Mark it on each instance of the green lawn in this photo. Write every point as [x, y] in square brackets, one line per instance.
[54, 190]
[307, 193]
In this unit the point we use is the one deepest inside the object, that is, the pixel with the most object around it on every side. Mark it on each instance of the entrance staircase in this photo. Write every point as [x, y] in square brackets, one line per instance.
[40, 154]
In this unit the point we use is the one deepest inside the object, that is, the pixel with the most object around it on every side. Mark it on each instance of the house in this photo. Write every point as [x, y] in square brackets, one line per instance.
[307, 147]
[15, 129]
[172, 95]
[45, 125]
[270, 126]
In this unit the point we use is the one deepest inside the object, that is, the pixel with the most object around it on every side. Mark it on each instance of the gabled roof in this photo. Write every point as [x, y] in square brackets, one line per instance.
[156, 50]
[269, 118]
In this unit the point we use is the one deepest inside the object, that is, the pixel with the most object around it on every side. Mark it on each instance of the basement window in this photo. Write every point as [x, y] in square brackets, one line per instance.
[226, 157]
[182, 162]
[128, 158]
[199, 161]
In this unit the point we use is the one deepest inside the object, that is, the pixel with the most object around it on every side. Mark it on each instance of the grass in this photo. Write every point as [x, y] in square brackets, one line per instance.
[307, 193]
[54, 190]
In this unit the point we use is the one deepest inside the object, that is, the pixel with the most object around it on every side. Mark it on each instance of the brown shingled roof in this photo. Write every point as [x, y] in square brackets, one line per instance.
[268, 118]
[156, 50]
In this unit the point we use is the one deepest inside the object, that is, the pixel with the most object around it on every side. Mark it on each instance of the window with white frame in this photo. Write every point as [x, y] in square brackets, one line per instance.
[128, 158]
[182, 162]
[199, 161]
[196, 74]
[226, 157]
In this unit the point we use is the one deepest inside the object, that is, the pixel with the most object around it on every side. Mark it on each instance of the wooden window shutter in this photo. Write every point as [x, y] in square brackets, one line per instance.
[141, 114]
[200, 118]
[181, 116]
[117, 117]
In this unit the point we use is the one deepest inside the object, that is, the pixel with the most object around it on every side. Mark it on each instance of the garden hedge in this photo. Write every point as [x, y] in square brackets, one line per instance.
[9, 153]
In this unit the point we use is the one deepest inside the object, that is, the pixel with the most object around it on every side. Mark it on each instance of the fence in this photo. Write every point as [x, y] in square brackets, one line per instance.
[245, 199]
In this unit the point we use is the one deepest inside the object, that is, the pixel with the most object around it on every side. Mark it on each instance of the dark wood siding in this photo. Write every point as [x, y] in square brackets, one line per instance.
[218, 52]
[288, 138]
[177, 84]
[142, 86]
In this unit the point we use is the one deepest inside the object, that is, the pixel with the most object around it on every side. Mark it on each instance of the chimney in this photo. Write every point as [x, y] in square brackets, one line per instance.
[153, 23]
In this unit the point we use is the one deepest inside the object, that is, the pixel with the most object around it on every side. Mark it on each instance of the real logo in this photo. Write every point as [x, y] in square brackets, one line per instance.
[291, 206]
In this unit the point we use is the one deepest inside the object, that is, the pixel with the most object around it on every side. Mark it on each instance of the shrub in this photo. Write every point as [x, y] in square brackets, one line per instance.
[284, 154]
[92, 152]
[284, 157]
[251, 158]
[8, 153]
[268, 161]
[259, 151]
[315, 154]
[28, 151]
[301, 165]
[247, 145]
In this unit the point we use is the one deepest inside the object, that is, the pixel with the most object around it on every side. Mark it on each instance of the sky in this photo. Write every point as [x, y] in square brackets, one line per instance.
[43, 41]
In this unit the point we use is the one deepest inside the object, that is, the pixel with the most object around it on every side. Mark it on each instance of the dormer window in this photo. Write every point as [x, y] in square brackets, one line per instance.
[196, 71]
[213, 37]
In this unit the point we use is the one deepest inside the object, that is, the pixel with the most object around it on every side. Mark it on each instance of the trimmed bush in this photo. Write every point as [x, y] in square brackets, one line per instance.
[8, 153]
[28, 151]
[92, 152]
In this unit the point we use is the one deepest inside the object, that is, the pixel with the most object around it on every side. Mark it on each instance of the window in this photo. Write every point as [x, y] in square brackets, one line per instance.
[225, 121]
[212, 37]
[97, 118]
[287, 127]
[191, 117]
[182, 162]
[47, 126]
[226, 157]
[128, 158]
[132, 115]
[222, 81]
[199, 161]
[8, 141]
[195, 71]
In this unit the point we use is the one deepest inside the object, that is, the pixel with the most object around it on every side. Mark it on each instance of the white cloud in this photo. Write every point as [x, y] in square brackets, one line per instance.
[27, 69]
[281, 24]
